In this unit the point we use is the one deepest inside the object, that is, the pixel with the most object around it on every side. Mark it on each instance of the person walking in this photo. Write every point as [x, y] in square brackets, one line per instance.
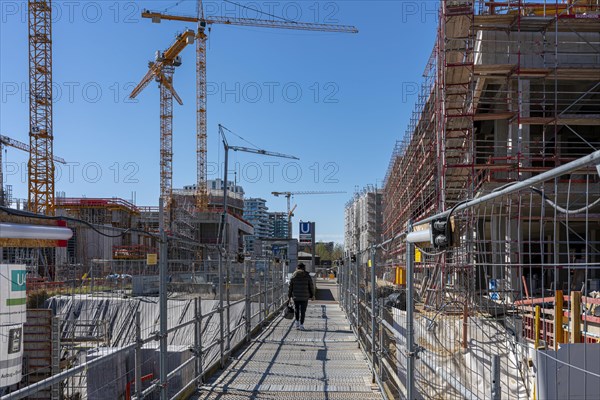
[301, 289]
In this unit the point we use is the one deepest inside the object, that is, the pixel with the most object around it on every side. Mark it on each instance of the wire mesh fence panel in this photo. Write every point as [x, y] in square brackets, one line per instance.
[509, 310]
[88, 324]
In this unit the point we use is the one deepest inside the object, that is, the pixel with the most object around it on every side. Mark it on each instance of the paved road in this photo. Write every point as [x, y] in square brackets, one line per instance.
[282, 363]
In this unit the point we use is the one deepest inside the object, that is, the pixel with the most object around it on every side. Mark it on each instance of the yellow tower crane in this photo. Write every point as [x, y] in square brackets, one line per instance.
[41, 137]
[201, 35]
[162, 70]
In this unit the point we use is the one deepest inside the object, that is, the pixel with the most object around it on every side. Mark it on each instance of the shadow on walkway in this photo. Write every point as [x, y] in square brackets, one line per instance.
[325, 295]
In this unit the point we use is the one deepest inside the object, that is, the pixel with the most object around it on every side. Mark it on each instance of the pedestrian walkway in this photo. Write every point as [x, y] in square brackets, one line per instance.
[323, 362]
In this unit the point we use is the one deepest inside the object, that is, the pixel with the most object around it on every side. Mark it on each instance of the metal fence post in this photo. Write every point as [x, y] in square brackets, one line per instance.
[163, 302]
[373, 292]
[272, 288]
[138, 356]
[496, 389]
[55, 368]
[221, 322]
[356, 300]
[198, 339]
[265, 293]
[228, 294]
[259, 301]
[247, 302]
[348, 292]
[381, 351]
[410, 361]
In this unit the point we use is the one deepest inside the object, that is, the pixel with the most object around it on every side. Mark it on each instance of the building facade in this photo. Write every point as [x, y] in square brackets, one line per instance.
[363, 220]
[255, 212]
[278, 225]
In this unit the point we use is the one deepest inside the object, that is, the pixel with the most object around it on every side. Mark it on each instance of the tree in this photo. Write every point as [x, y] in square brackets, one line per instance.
[338, 251]
[323, 252]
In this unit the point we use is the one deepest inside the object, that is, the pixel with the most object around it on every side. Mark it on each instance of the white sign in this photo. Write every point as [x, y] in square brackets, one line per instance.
[13, 294]
[11, 354]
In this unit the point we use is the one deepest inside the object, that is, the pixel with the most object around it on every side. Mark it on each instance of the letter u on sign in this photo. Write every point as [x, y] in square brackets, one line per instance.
[305, 227]
[18, 281]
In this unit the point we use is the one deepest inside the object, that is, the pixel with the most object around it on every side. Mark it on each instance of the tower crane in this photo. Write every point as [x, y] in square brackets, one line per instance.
[288, 195]
[162, 70]
[203, 22]
[40, 168]
[227, 147]
[6, 141]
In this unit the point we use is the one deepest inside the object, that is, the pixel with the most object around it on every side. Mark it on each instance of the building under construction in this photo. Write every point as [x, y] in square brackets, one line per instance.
[363, 220]
[510, 92]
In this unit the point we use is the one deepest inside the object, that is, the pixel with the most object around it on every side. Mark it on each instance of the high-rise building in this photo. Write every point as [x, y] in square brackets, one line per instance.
[279, 227]
[363, 220]
[255, 212]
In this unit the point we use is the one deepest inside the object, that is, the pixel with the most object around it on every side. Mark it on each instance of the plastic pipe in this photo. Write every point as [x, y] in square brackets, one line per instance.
[419, 236]
[41, 232]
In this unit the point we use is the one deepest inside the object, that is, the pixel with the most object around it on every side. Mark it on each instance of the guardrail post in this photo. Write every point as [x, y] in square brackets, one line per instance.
[138, 356]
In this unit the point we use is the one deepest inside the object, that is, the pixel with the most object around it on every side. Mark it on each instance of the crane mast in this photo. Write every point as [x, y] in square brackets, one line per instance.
[162, 70]
[41, 165]
[201, 128]
[201, 37]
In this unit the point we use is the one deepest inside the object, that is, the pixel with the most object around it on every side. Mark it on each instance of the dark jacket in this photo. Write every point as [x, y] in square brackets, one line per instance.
[301, 286]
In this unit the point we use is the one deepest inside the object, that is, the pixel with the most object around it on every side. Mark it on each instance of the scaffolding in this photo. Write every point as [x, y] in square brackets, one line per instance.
[511, 91]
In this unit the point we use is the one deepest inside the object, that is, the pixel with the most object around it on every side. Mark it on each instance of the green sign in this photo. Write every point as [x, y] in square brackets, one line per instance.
[18, 281]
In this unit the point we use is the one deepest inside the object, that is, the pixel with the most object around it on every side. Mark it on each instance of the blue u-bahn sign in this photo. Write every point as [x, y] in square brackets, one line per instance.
[305, 232]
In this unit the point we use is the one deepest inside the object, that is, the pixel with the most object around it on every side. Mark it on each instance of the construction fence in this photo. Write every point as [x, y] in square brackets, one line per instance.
[102, 318]
[508, 311]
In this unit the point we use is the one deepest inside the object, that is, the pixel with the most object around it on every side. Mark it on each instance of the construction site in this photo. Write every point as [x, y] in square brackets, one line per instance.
[473, 272]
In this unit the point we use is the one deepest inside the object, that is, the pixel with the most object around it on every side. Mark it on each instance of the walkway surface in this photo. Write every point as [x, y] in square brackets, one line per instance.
[323, 362]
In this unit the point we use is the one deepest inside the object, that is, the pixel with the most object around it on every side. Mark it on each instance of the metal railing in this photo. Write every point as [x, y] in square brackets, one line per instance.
[463, 324]
[165, 342]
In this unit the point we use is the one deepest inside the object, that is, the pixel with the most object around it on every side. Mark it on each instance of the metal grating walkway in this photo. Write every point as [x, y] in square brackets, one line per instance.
[323, 362]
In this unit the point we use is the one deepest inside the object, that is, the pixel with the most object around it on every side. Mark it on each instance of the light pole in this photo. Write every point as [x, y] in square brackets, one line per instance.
[227, 147]
[221, 234]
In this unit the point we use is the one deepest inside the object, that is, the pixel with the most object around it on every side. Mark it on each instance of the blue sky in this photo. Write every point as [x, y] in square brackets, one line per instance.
[336, 101]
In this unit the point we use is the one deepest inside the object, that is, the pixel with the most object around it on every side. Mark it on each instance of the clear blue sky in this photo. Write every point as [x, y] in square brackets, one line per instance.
[336, 101]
